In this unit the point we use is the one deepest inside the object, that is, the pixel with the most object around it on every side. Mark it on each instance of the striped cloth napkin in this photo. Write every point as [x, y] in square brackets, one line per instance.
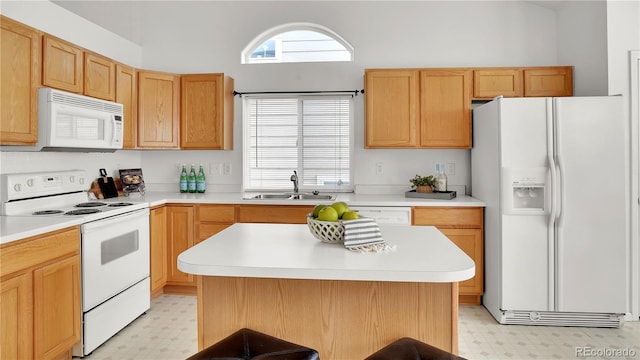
[363, 235]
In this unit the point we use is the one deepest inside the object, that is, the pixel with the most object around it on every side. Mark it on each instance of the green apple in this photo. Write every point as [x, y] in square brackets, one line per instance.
[341, 208]
[317, 209]
[328, 214]
[350, 215]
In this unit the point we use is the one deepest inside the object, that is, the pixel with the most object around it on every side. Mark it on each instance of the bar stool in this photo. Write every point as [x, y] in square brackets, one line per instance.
[411, 349]
[246, 344]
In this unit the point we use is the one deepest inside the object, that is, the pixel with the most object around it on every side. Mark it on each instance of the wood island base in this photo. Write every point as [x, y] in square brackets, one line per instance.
[341, 319]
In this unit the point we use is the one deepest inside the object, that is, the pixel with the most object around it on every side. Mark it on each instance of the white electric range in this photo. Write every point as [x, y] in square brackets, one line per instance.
[114, 246]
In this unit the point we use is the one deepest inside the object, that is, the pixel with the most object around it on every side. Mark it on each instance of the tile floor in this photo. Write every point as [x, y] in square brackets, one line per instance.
[169, 332]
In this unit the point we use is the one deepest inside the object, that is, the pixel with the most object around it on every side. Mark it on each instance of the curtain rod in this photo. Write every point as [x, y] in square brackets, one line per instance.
[355, 92]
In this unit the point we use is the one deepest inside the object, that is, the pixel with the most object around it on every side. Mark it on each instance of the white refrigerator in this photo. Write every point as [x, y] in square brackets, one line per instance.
[555, 175]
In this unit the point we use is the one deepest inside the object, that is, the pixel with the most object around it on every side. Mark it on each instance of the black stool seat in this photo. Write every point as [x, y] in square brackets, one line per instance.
[411, 349]
[246, 344]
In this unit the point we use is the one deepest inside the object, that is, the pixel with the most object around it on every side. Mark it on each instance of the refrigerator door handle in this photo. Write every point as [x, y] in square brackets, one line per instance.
[560, 201]
[553, 211]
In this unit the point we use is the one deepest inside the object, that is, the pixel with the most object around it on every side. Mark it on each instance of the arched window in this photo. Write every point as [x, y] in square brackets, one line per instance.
[297, 42]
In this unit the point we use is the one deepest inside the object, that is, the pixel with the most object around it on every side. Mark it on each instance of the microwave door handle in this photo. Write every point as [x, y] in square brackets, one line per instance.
[113, 128]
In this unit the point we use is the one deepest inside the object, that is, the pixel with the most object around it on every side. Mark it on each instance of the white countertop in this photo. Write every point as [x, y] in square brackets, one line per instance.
[15, 227]
[159, 198]
[422, 254]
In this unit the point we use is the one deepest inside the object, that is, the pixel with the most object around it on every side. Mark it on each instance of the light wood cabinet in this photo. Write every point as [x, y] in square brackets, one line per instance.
[489, 83]
[206, 120]
[158, 110]
[127, 95]
[20, 64]
[56, 293]
[464, 226]
[158, 248]
[391, 108]
[413, 108]
[548, 81]
[278, 214]
[16, 307]
[40, 298]
[62, 65]
[211, 219]
[99, 77]
[180, 237]
[445, 108]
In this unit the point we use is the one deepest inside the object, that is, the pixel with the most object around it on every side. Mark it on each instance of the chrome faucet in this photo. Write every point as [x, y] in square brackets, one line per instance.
[294, 178]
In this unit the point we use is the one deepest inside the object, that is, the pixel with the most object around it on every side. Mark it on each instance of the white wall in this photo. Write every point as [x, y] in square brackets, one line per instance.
[582, 42]
[57, 21]
[207, 36]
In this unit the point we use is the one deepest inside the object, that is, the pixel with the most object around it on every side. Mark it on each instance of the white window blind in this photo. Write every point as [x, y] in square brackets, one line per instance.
[309, 134]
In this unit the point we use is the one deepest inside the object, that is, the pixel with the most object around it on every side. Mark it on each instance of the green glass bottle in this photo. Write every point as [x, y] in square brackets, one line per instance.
[201, 184]
[191, 179]
[183, 179]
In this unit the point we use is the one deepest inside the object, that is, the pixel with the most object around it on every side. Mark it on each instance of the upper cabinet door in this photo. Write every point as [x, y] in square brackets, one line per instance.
[206, 109]
[99, 77]
[20, 51]
[127, 95]
[489, 83]
[445, 108]
[391, 112]
[548, 81]
[158, 110]
[62, 65]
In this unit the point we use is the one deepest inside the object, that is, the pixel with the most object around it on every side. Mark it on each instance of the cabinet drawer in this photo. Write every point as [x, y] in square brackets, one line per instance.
[35, 250]
[453, 217]
[280, 214]
[216, 213]
[489, 83]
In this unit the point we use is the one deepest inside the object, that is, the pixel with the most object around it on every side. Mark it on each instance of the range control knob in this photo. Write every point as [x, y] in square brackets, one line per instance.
[72, 179]
[17, 187]
[30, 182]
[81, 181]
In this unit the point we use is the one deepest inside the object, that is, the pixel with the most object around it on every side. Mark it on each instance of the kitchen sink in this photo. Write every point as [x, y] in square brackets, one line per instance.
[313, 197]
[290, 196]
[271, 196]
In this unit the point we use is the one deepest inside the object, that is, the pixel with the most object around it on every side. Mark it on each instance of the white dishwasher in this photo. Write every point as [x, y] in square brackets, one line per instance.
[385, 214]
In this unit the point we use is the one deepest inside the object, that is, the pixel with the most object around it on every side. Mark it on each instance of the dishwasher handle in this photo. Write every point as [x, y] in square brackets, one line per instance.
[386, 214]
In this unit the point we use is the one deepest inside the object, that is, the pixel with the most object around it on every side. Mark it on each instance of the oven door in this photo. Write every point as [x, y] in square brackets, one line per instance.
[115, 256]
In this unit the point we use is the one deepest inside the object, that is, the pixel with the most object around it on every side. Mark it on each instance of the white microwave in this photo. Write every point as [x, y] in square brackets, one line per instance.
[72, 122]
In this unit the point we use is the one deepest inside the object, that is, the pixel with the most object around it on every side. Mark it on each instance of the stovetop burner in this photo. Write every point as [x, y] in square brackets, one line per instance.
[47, 212]
[82, 212]
[90, 204]
[119, 204]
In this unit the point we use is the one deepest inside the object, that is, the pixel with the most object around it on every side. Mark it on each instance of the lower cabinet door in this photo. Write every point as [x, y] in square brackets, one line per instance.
[158, 247]
[16, 325]
[180, 234]
[57, 307]
[469, 241]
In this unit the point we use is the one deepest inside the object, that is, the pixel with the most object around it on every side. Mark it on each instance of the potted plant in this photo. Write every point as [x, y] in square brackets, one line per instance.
[423, 183]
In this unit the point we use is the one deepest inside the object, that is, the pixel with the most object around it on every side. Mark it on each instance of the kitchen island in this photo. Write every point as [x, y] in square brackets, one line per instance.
[280, 280]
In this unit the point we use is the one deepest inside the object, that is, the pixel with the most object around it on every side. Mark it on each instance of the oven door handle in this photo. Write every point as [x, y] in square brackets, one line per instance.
[107, 221]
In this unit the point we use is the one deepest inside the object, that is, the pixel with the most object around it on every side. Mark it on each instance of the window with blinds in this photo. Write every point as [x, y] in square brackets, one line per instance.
[309, 134]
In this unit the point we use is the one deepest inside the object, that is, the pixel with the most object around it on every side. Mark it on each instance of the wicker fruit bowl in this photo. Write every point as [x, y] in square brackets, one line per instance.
[331, 232]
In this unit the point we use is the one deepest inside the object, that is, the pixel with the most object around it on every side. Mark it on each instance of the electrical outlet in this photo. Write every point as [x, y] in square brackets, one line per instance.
[451, 169]
[226, 168]
[379, 168]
